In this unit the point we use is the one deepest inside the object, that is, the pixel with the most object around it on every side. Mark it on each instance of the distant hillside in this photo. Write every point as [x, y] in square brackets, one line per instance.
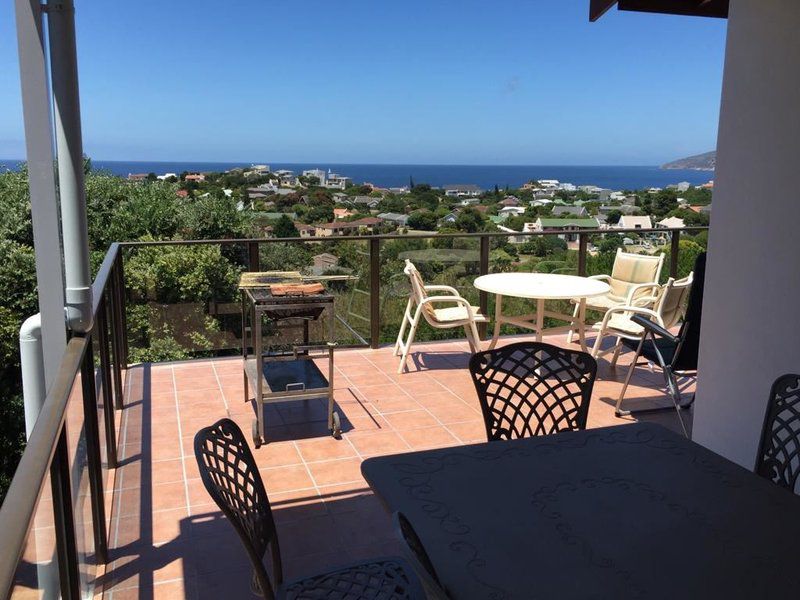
[701, 162]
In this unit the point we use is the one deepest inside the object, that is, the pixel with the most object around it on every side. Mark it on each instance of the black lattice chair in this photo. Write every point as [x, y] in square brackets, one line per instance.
[230, 476]
[531, 388]
[417, 555]
[778, 457]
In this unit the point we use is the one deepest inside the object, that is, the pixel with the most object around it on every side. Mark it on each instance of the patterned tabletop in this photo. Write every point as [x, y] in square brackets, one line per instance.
[634, 511]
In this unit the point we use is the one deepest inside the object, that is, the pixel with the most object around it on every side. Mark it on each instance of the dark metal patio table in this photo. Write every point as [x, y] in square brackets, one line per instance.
[633, 511]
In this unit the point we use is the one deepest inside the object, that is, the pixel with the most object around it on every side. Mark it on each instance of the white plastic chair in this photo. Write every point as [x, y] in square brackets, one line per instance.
[665, 305]
[632, 277]
[420, 305]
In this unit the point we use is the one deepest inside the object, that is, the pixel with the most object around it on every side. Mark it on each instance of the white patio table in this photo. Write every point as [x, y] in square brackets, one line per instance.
[540, 287]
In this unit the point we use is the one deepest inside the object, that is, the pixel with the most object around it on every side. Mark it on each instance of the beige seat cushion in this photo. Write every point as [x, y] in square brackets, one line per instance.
[621, 323]
[604, 302]
[457, 313]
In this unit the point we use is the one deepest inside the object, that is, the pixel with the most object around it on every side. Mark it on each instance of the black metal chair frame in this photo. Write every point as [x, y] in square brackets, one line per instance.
[567, 376]
[684, 347]
[779, 446]
[653, 331]
[415, 553]
[230, 475]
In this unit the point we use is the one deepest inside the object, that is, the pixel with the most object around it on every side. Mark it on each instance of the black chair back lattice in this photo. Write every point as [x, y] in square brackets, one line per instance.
[230, 475]
[531, 388]
[778, 456]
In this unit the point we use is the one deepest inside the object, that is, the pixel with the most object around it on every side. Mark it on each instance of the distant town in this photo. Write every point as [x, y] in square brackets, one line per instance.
[319, 203]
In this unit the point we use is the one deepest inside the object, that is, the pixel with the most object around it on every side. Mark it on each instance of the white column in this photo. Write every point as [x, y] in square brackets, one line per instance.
[751, 313]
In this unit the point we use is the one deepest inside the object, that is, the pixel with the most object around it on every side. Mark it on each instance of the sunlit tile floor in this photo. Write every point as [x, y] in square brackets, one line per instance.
[169, 540]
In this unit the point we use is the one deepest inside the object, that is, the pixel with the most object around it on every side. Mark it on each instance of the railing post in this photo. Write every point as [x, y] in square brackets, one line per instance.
[122, 302]
[64, 520]
[101, 325]
[253, 259]
[483, 269]
[374, 292]
[583, 242]
[116, 346]
[93, 458]
[674, 250]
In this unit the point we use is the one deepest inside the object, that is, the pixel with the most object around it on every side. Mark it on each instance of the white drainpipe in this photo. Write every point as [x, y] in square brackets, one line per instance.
[32, 362]
[69, 145]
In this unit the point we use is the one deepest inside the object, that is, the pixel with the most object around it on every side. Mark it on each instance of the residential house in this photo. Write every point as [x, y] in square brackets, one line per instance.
[634, 222]
[462, 190]
[337, 228]
[590, 189]
[509, 201]
[325, 261]
[468, 201]
[567, 187]
[568, 228]
[576, 211]
[196, 177]
[396, 219]
[257, 171]
[513, 239]
[334, 181]
[625, 209]
[511, 211]
[540, 202]
[306, 230]
[137, 176]
[450, 218]
[671, 223]
[548, 184]
[363, 201]
[342, 213]
[318, 173]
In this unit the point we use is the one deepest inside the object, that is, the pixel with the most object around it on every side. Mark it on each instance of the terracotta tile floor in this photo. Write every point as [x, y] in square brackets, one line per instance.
[169, 541]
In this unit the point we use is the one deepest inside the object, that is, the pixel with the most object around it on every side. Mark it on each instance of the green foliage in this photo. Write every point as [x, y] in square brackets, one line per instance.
[613, 217]
[284, 228]
[469, 220]
[422, 219]
[544, 245]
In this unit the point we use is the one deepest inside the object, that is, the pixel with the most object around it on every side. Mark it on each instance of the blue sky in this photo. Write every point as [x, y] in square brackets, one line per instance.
[360, 81]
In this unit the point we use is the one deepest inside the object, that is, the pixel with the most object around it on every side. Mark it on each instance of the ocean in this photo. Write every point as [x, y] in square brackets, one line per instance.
[484, 176]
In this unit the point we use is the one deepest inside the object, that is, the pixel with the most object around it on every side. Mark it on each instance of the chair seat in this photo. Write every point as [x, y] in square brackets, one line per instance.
[603, 303]
[384, 579]
[458, 313]
[622, 324]
[666, 347]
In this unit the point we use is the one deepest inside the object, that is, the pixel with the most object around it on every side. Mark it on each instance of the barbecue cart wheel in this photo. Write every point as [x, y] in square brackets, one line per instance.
[337, 426]
[256, 438]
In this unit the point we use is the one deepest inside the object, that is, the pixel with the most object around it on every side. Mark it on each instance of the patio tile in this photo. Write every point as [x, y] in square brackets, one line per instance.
[378, 443]
[286, 479]
[335, 471]
[324, 448]
[325, 511]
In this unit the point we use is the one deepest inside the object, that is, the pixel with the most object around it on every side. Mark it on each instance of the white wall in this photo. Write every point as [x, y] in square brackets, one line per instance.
[751, 317]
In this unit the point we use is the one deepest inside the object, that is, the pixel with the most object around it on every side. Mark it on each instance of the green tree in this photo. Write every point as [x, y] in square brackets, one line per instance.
[284, 228]
[422, 219]
[469, 220]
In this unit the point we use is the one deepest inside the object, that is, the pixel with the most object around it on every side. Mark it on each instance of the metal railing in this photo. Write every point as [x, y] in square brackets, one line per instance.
[47, 452]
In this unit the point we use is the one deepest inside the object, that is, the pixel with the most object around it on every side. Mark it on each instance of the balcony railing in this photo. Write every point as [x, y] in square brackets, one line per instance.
[55, 515]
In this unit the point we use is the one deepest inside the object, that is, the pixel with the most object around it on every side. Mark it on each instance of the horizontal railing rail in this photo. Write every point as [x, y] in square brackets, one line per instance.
[46, 451]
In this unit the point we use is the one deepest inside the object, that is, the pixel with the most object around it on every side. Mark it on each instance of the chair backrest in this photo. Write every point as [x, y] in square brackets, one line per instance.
[673, 299]
[418, 293]
[631, 269]
[532, 388]
[685, 359]
[418, 557]
[778, 457]
[230, 475]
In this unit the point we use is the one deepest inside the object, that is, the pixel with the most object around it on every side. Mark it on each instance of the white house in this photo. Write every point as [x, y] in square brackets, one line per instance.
[461, 190]
[671, 223]
[511, 211]
[513, 239]
[633, 222]
[549, 184]
[335, 181]
[318, 173]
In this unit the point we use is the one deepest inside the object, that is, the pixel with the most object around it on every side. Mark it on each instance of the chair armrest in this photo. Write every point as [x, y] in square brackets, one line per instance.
[654, 328]
[442, 288]
[645, 301]
[450, 300]
[635, 289]
[600, 277]
[630, 310]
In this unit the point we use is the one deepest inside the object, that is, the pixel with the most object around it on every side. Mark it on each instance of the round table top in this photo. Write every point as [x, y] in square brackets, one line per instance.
[548, 286]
